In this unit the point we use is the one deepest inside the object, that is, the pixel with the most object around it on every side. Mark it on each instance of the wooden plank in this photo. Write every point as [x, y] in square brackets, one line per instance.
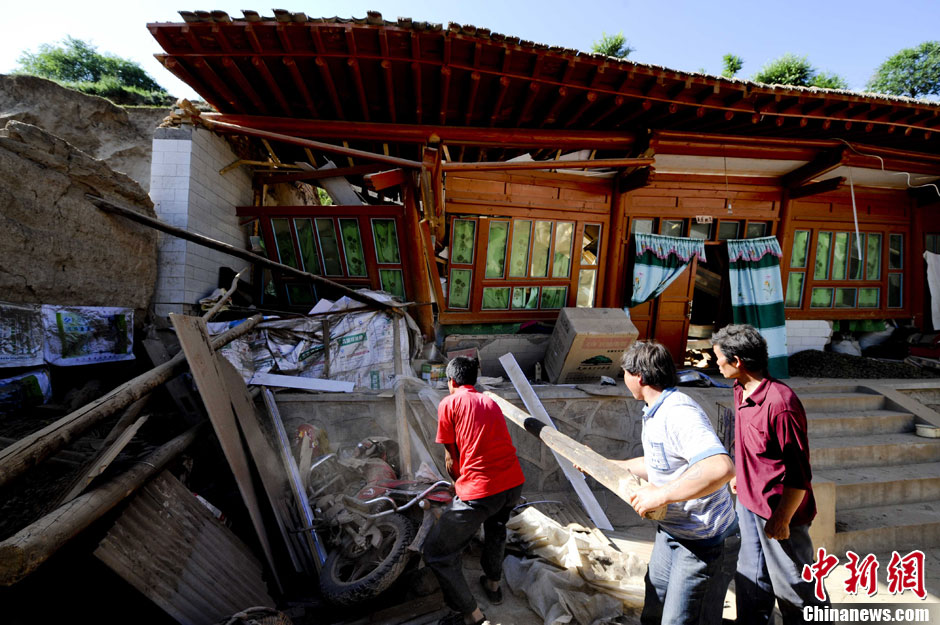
[307, 384]
[194, 339]
[531, 401]
[401, 414]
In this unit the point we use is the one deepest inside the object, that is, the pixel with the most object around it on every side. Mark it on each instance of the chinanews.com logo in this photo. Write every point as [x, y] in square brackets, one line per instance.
[874, 613]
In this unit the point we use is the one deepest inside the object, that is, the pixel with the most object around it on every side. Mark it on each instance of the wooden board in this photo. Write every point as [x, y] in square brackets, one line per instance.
[307, 384]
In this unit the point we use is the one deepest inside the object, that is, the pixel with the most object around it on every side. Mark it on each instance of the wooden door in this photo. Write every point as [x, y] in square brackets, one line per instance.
[673, 313]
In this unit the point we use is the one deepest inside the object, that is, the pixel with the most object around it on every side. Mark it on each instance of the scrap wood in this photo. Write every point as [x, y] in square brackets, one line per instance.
[531, 401]
[21, 553]
[33, 449]
[209, 314]
[298, 382]
[401, 421]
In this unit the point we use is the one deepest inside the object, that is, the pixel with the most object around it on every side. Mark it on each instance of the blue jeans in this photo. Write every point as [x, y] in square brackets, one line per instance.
[687, 582]
[770, 570]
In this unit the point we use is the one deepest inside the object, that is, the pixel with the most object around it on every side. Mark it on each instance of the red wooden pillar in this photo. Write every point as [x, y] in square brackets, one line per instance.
[413, 243]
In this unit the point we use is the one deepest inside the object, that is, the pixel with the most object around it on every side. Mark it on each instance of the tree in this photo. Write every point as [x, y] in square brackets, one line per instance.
[613, 45]
[79, 65]
[914, 72]
[791, 69]
[732, 65]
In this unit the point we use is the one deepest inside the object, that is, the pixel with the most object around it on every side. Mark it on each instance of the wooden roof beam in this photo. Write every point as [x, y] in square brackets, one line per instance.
[445, 92]
[273, 87]
[385, 179]
[504, 83]
[552, 115]
[330, 86]
[318, 174]
[589, 99]
[232, 69]
[353, 65]
[830, 184]
[525, 113]
[191, 38]
[472, 98]
[220, 36]
[826, 161]
[389, 87]
[252, 38]
[638, 111]
[284, 38]
[416, 74]
[605, 163]
[615, 104]
[301, 86]
[177, 69]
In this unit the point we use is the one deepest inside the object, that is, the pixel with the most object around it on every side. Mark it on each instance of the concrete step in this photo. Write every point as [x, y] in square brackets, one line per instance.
[840, 402]
[898, 527]
[822, 424]
[838, 452]
[864, 487]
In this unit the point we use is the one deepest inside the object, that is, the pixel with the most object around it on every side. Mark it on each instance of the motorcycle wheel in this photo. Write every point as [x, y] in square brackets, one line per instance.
[347, 579]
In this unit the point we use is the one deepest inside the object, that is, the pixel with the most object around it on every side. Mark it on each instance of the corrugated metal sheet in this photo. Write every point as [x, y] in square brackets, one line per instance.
[171, 548]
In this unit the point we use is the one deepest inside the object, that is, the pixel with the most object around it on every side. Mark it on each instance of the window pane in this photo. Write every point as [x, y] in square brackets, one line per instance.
[554, 296]
[392, 282]
[794, 290]
[385, 235]
[458, 290]
[895, 251]
[496, 249]
[868, 297]
[308, 247]
[873, 258]
[823, 243]
[672, 227]
[525, 297]
[700, 231]
[352, 245]
[895, 282]
[932, 242]
[756, 229]
[822, 298]
[561, 265]
[800, 249]
[590, 244]
[330, 247]
[496, 298]
[285, 244]
[855, 260]
[519, 255]
[840, 255]
[642, 226]
[540, 249]
[845, 297]
[463, 239]
[587, 280]
[300, 294]
[728, 230]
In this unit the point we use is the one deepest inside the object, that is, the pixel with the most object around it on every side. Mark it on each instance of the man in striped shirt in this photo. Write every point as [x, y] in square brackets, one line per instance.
[687, 467]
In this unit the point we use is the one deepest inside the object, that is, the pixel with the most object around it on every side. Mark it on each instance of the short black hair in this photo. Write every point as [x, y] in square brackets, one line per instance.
[652, 362]
[463, 370]
[743, 341]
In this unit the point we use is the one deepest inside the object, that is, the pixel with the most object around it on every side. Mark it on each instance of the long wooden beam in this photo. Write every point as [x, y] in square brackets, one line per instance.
[602, 163]
[823, 163]
[318, 174]
[830, 184]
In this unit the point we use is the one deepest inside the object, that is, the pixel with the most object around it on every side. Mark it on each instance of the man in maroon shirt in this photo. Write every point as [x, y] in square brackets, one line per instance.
[480, 456]
[773, 481]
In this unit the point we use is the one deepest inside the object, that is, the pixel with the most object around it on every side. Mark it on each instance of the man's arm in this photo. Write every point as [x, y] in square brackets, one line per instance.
[452, 460]
[702, 478]
[636, 465]
[778, 525]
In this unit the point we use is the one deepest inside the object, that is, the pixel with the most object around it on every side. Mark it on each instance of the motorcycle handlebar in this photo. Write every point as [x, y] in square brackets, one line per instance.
[395, 507]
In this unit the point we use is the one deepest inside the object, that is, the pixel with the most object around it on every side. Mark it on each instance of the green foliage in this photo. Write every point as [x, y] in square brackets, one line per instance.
[325, 199]
[797, 71]
[913, 72]
[613, 45]
[78, 65]
[732, 65]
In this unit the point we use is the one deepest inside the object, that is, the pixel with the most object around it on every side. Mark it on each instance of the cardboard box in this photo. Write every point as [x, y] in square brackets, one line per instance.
[432, 372]
[587, 343]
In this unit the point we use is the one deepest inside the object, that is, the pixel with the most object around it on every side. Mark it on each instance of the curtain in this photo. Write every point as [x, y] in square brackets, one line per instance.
[659, 261]
[757, 295]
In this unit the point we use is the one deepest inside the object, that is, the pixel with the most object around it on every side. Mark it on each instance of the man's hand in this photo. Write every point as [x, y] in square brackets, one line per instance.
[776, 528]
[734, 484]
[647, 499]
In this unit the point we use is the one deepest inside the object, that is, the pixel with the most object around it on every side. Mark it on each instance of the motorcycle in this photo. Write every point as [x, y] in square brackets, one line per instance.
[373, 522]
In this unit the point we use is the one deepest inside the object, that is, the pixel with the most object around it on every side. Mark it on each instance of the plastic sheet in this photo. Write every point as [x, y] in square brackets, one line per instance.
[82, 335]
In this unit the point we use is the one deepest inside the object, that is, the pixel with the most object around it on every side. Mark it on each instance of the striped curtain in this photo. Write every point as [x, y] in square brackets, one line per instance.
[659, 261]
[757, 295]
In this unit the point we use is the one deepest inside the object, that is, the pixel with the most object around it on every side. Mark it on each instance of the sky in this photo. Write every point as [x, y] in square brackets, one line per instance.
[847, 37]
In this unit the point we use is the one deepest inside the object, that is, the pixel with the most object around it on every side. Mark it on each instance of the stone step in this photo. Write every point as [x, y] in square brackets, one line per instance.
[862, 487]
[840, 402]
[837, 452]
[897, 527]
[822, 424]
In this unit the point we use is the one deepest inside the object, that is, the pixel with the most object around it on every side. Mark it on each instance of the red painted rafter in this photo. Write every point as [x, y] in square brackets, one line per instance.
[445, 92]
[232, 69]
[301, 85]
[503, 88]
[472, 99]
[273, 87]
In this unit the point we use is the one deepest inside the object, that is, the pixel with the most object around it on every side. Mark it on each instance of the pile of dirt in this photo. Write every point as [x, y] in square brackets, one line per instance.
[813, 363]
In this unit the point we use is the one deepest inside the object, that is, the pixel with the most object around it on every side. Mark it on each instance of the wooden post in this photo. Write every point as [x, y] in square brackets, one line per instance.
[420, 277]
[614, 278]
[404, 436]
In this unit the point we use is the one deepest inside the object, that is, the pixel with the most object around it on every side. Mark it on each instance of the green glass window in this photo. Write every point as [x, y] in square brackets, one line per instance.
[554, 296]
[308, 247]
[821, 298]
[458, 290]
[756, 229]
[496, 249]
[895, 251]
[519, 254]
[641, 226]
[672, 227]
[300, 294]
[845, 297]
[794, 297]
[525, 297]
[869, 297]
[855, 260]
[541, 245]
[700, 231]
[840, 255]
[285, 243]
[561, 265]
[873, 258]
[587, 282]
[800, 251]
[392, 282]
[823, 243]
[895, 282]
[352, 246]
[463, 241]
[330, 246]
[495, 298]
[590, 244]
[728, 230]
[385, 235]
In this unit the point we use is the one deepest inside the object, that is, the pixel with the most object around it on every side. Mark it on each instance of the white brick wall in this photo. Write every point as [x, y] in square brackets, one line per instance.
[188, 192]
[807, 334]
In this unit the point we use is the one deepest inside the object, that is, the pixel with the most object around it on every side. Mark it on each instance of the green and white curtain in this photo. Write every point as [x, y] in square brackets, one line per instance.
[659, 261]
[757, 295]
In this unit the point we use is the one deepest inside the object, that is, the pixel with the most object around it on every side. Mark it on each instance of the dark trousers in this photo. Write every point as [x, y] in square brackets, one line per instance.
[444, 546]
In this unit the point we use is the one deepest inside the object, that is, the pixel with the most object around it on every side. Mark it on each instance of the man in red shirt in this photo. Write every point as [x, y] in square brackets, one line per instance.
[773, 481]
[480, 456]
